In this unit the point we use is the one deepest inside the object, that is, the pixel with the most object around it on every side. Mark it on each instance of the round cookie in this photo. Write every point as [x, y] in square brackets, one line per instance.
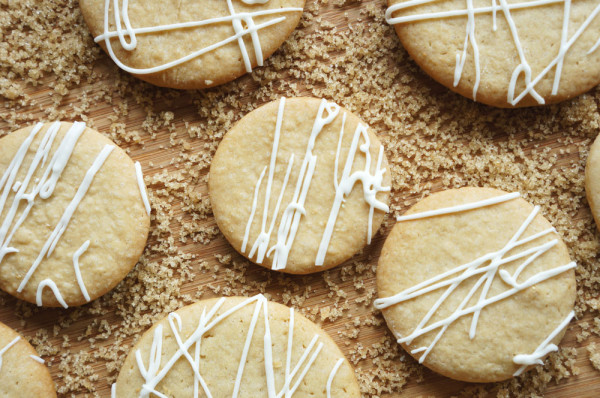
[477, 292]
[291, 193]
[592, 180]
[22, 371]
[179, 44]
[504, 53]
[244, 347]
[74, 216]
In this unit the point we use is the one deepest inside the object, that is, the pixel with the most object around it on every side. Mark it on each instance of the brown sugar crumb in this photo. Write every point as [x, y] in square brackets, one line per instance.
[594, 352]
[343, 51]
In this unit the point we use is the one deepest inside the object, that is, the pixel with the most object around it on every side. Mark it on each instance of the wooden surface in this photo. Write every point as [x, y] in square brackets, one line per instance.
[155, 155]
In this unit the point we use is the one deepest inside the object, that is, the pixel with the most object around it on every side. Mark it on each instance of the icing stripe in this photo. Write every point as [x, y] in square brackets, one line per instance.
[371, 183]
[253, 210]
[37, 359]
[142, 186]
[332, 375]
[76, 256]
[69, 211]
[7, 347]
[543, 349]
[49, 283]
[40, 156]
[460, 208]
[237, 20]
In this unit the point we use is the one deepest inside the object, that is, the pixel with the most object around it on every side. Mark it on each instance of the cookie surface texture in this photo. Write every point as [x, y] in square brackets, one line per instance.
[242, 347]
[480, 292]
[504, 53]
[592, 180]
[22, 372]
[291, 193]
[72, 216]
[190, 44]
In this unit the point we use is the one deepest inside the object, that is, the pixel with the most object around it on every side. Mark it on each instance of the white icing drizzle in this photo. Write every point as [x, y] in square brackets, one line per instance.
[542, 350]
[7, 347]
[76, 256]
[142, 186]
[461, 59]
[37, 359]
[524, 67]
[68, 213]
[113, 391]
[237, 19]
[293, 377]
[372, 184]
[334, 371]
[290, 219]
[460, 208]
[253, 211]
[49, 283]
[487, 266]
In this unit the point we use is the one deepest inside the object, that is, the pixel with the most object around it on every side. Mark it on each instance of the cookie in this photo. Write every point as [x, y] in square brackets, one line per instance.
[238, 347]
[504, 53]
[476, 284]
[592, 180]
[74, 215]
[22, 371]
[179, 44]
[299, 185]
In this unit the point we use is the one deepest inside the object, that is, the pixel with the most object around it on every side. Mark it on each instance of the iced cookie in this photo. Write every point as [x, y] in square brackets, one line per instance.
[189, 44]
[504, 53]
[592, 180]
[236, 347]
[299, 185]
[22, 371]
[74, 215]
[476, 284]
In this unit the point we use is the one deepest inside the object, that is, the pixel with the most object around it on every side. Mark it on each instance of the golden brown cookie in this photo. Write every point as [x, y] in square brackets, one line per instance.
[299, 185]
[592, 180]
[190, 45]
[74, 215]
[504, 53]
[22, 371]
[476, 284]
[236, 347]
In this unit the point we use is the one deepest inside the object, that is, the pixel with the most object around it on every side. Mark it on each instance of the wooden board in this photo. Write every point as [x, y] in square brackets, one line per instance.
[157, 155]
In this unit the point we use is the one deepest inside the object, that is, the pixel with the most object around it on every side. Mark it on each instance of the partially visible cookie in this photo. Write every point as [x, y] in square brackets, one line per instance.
[476, 284]
[505, 53]
[189, 45]
[592, 180]
[74, 216]
[240, 347]
[299, 185]
[22, 371]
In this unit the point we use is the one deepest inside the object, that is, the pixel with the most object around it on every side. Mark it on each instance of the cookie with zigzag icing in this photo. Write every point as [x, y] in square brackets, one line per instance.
[189, 44]
[22, 371]
[505, 53]
[476, 284]
[74, 214]
[236, 347]
[299, 185]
